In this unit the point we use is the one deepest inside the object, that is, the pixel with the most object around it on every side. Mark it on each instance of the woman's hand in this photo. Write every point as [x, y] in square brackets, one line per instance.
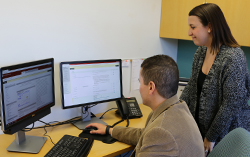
[208, 146]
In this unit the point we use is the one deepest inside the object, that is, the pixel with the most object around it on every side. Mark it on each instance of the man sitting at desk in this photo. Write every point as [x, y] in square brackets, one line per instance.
[170, 129]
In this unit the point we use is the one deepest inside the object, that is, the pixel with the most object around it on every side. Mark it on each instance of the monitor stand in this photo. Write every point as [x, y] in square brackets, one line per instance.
[87, 120]
[26, 144]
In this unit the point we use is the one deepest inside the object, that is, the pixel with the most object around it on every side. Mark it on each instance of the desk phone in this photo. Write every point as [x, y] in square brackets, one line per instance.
[128, 107]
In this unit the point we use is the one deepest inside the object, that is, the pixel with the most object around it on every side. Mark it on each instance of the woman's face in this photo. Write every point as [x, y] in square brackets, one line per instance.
[199, 33]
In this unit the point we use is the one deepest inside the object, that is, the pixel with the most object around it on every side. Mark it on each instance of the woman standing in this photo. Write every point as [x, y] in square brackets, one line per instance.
[219, 87]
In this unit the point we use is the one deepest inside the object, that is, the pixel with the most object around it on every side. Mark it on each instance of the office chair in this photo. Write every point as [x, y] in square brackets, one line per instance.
[235, 144]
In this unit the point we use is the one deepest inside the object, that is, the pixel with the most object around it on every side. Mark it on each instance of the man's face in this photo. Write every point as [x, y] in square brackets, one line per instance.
[143, 90]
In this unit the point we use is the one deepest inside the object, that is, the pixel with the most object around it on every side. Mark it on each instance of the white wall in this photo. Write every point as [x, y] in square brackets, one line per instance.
[70, 30]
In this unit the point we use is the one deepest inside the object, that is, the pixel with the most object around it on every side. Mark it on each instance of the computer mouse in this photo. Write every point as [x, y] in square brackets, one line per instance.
[87, 130]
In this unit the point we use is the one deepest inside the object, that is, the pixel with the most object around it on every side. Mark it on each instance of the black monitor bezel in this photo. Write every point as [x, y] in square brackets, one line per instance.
[34, 116]
[89, 61]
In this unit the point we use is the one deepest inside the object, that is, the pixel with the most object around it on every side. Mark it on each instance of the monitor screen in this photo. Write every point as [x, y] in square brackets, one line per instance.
[27, 93]
[90, 82]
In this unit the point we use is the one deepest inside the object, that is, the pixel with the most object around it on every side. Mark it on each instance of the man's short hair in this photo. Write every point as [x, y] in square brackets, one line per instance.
[163, 71]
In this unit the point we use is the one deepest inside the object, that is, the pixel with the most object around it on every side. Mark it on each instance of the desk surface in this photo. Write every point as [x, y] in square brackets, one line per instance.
[56, 133]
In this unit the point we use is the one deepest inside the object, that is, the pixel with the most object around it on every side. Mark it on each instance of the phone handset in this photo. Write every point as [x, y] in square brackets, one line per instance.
[123, 108]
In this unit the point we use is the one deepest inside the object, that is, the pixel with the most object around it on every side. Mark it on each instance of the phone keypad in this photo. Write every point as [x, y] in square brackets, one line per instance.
[133, 110]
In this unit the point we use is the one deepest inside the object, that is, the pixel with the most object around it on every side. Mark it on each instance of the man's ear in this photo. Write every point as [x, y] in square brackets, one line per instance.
[151, 86]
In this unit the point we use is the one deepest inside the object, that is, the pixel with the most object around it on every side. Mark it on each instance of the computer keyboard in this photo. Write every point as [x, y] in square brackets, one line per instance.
[71, 146]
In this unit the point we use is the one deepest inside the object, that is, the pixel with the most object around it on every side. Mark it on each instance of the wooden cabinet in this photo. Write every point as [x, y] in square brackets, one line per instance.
[174, 18]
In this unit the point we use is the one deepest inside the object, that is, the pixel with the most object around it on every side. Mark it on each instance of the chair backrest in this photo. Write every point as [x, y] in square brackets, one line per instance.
[235, 144]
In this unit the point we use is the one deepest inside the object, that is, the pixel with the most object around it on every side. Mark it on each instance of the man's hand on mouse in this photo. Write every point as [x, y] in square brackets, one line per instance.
[101, 129]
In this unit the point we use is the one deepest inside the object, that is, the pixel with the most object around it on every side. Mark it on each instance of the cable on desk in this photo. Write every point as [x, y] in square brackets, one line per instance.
[46, 130]
[127, 122]
[87, 107]
[93, 105]
[72, 120]
[117, 123]
[120, 122]
[107, 111]
[50, 124]
[75, 119]
[86, 110]
[28, 129]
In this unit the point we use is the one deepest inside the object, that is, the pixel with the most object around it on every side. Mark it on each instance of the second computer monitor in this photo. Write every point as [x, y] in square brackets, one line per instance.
[90, 82]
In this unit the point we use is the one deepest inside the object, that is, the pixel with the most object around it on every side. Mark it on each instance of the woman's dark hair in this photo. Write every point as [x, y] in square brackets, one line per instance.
[211, 14]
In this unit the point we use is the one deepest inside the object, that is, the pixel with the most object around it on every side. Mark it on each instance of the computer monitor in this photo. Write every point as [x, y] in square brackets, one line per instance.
[90, 82]
[27, 95]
